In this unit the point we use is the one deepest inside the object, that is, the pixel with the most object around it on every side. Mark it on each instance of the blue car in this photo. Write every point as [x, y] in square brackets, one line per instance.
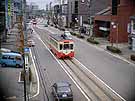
[11, 59]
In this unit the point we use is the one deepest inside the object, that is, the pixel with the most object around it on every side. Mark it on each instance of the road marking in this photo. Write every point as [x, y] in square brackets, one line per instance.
[66, 72]
[34, 57]
[100, 49]
[36, 76]
[121, 58]
[86, 69]
[100, 80]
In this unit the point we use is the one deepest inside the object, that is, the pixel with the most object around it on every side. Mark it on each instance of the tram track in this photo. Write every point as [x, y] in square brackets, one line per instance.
[89, 86]
[85, 80]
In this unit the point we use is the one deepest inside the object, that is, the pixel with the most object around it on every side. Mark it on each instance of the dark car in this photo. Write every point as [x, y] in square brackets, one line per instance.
[62, 91]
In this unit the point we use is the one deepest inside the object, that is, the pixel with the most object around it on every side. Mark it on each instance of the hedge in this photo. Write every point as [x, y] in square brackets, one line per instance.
[91, 40]
[132, 57]
[113, 49]
[80, 36]
[73, 33]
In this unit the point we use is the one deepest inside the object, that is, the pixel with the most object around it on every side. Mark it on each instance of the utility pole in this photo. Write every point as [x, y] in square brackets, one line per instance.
[21, 47]
[22, 28]
[90, 20]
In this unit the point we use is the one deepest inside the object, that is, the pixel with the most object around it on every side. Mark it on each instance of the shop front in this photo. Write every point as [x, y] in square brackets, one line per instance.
[131, 36]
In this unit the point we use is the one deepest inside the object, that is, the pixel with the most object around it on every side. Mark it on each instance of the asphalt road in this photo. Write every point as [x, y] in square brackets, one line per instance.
[50, 71]
[116, 73]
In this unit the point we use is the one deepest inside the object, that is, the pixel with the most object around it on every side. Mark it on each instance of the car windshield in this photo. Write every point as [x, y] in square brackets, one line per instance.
[67, 33]
[63, 89]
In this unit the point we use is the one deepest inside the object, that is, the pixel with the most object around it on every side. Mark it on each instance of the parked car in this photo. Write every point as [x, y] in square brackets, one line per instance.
[11, 59]
[62, 91]
[67, 34]
[4, 50]
[31, 43]
[46, 25]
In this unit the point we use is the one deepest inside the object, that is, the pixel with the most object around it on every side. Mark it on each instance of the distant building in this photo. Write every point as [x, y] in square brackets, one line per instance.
[32, 10]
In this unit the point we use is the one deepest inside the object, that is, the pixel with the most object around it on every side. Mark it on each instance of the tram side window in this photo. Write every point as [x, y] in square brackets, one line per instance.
[60, 46]
[54, 43]
[71, 46]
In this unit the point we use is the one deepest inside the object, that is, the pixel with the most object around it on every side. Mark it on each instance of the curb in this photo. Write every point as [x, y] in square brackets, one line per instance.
[34, 85]
[114, 55]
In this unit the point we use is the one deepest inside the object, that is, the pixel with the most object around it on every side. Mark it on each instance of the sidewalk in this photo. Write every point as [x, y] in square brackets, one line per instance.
[126, 52]
[9, 76]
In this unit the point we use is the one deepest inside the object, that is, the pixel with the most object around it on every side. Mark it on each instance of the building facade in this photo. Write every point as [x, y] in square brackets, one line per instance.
[2, 21]
[78, 12]
[114, 27]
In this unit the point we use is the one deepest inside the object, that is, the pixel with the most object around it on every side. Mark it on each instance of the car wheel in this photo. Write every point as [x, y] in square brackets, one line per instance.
[55, 99]
[4, 65]
[17, 65]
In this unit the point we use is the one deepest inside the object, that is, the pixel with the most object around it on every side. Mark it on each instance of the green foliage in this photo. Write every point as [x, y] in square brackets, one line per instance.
[91, 40]
[113, 49]
[73, 33]
[132, 57]
[80, 36]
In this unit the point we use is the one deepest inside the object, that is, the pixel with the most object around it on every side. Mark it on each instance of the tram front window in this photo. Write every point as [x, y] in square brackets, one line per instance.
[71, 46]
[66, 46]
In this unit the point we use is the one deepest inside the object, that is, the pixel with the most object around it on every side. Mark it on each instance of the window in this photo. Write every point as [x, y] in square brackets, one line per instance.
[134, 25]
[66, 46]
[118, 2]
[54, 43]
[60, 46]
[11, 58]
[18, 58]
[4, 57]
[71, 46]
[76, 7]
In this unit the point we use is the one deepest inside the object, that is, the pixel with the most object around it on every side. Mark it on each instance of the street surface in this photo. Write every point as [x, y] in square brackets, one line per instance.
[50, 72]
[116, 73]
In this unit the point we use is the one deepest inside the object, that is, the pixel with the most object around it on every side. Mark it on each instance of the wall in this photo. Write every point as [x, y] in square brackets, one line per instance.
[124, 11]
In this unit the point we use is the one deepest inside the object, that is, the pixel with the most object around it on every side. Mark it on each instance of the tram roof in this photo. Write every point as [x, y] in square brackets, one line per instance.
[59, 37]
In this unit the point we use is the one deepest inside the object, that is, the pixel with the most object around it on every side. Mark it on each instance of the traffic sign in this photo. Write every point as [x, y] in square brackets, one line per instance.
[26, 50]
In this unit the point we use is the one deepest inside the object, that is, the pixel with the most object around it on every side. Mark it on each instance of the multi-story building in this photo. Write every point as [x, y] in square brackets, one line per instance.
[78, 11]
[113, 22]
[2, 20]
[32, 10]
[56, 11]
[16, 10]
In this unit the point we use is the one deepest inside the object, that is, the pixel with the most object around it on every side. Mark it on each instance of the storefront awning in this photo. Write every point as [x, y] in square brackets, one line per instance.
[104, 29]
[132, 17]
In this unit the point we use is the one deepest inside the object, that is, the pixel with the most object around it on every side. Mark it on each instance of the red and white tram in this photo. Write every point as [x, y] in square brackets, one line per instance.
[61, 46]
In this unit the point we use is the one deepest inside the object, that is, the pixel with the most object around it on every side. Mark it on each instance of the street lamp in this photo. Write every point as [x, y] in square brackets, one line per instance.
[115, 26]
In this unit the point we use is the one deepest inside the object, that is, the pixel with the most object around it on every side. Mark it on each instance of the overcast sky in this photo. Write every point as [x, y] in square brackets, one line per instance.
[41, 3]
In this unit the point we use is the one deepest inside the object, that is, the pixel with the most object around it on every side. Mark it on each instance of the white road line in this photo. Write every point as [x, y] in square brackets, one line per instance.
[121, 58]
[86, 69]
[66, 72]
[38, 89]
[100, 80]
[100, 49]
